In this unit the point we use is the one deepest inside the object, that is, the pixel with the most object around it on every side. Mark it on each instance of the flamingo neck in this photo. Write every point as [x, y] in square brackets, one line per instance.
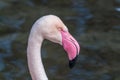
[35, 64]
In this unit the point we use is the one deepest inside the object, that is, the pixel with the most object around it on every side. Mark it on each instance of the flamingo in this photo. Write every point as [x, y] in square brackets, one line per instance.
[52, 28]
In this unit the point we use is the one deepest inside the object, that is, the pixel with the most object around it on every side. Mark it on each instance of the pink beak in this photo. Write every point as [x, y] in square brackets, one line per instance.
[71, 46]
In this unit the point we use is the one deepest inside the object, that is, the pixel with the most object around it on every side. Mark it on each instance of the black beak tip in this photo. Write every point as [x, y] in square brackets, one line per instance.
[73, 62]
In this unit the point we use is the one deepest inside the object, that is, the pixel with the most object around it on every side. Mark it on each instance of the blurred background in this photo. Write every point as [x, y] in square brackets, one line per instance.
[94, 23]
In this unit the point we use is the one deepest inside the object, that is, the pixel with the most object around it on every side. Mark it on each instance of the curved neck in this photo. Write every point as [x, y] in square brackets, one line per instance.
[35, 65]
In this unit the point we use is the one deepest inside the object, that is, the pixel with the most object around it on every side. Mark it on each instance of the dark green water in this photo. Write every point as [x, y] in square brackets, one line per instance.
[94, 23]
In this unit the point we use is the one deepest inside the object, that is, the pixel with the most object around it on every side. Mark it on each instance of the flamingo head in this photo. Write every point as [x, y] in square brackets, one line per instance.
[57, 32]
